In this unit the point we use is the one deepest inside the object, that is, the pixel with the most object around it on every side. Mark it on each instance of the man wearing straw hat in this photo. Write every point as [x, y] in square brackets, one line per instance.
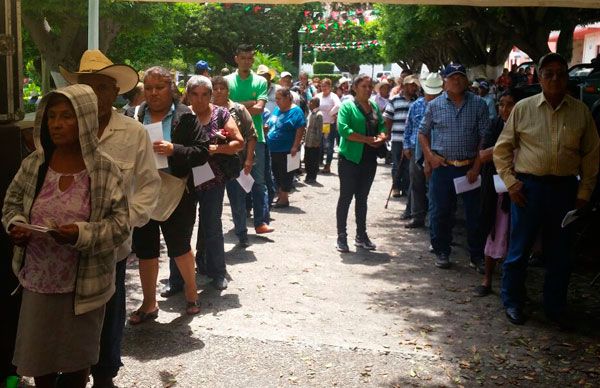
[127, 142]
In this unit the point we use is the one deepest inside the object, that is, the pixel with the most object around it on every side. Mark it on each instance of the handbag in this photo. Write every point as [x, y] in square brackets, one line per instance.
[169, 196]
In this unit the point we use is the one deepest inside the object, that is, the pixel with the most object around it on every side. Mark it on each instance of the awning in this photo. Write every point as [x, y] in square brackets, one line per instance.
[476, 3]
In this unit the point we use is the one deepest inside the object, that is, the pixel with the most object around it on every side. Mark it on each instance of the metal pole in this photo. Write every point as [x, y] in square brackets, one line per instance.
[93, 24]
[300, 60]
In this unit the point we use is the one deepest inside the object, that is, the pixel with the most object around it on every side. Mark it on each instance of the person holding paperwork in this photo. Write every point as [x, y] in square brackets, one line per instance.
[362, 132]
[235, 192]
[495, 207]
[185, 147]
[67, 273]
[456, 121]
[215, 123]
[286, 129]
[548, 141]
[118, 135]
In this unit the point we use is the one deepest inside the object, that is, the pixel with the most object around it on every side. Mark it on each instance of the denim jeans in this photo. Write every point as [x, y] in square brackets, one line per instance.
[237, 200]
[547, 204]
[400, 179]
[260, 197]
[210, 245]
[443, 204]
[355, 182]
[269, 181]
[329, 143]
[109, 360]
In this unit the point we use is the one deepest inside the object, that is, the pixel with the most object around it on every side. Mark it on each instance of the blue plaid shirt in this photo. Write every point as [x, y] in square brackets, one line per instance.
[457, 131]
[415, 115]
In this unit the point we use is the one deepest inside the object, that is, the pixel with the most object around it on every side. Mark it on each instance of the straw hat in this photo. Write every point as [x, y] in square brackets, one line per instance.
[94, 62]
[433, 84]
[264, 69]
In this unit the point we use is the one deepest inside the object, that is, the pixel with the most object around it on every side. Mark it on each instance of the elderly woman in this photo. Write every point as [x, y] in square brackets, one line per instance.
[361, 132]
[243, 120]
[225, 140]
[67, 273]
[185, 148]
[286, 129]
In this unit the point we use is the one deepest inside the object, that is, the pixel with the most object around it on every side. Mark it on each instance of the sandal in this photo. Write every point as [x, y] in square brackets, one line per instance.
[192, 308]
[281, 205]
[139, 316]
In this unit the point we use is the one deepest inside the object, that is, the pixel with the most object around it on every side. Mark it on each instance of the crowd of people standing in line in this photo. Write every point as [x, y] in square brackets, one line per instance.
[96, 198]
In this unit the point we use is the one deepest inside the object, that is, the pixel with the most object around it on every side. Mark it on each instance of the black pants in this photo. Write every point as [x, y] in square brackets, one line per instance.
[311, 162]
[283, 178]
[355, 181]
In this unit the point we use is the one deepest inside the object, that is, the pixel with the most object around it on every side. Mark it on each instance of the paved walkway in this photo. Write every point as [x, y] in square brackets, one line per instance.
[298, 313]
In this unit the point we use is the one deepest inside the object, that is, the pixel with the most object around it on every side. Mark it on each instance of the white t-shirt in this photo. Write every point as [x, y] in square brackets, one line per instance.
[329, 106]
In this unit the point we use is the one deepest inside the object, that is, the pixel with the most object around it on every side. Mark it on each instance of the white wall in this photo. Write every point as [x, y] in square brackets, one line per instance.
[590, 46]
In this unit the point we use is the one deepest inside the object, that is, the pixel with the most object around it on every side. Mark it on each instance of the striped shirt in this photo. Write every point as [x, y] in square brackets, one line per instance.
[397, 111]
[455, 132]
[561, 141]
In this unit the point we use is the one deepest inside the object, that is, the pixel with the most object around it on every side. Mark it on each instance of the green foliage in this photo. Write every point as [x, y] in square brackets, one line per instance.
[323, 67]
[270, 61]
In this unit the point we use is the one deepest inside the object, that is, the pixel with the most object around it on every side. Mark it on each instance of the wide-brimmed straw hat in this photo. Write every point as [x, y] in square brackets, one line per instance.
[94, 62]
[433, 84]
[264, 69]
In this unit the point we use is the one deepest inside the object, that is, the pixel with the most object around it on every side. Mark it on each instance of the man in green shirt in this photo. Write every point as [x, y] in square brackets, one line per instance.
[250, 90]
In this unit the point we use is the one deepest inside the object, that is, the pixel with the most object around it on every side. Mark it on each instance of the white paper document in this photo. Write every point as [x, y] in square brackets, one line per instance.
[156, 134]
[35, 228]
[246, 181]
[462, 185]
[202, 174]
[499, 185]
[293, 162]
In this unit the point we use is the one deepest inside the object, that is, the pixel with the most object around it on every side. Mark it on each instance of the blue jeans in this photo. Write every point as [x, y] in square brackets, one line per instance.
[547, 204]
[260, 197]
[210, 245]
[269, 181]
[109, 360]
[329, 143]
[237, 200]
[400, 179]
[443, 206]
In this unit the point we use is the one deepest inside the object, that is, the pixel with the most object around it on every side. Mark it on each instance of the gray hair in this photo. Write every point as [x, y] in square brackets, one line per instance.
[198, 80]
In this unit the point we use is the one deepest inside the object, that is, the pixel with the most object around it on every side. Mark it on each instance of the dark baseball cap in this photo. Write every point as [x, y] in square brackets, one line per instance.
[454, 68]
[552, 57]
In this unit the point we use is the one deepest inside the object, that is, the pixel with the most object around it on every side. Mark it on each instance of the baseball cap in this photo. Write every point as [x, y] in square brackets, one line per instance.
[552, 57]
[454, 68]
[285, 74]
[202, 65]
[411, 79]
[484, 85]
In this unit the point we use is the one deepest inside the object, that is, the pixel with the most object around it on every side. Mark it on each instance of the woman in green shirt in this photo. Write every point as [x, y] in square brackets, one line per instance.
[362, 132]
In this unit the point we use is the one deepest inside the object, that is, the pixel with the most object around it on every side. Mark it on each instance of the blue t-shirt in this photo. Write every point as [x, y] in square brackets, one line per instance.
[283, 127]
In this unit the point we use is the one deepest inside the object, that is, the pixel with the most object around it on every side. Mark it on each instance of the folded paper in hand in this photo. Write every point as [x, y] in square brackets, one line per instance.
[462, 185]
[246, 181]
[293, 162]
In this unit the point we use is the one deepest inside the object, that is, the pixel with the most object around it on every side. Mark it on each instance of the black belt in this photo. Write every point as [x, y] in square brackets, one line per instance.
[551, 179]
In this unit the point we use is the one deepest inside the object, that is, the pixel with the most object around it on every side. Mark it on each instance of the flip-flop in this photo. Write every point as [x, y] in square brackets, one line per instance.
[139, 316]
[192, 308]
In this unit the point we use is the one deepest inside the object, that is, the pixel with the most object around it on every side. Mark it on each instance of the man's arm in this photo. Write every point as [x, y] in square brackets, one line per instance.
[589, 160]
[255, 107]
[434, 160]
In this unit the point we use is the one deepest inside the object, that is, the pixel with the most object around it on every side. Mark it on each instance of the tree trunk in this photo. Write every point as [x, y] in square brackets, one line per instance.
[564, 45]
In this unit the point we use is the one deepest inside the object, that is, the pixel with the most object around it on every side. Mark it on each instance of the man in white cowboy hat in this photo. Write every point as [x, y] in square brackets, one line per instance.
[127, 142]
[432, 87]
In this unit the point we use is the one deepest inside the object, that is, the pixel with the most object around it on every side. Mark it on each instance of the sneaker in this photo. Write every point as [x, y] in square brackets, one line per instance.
[342, 245]
[264, 228]
[365, 243]
[243, 242]
[220, 283]
[442, 261]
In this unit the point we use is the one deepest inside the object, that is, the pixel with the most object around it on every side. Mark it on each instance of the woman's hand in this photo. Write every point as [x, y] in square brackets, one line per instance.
[294, 151]
[163, 147]
[19, 236]
[65, 234]
[212, 149]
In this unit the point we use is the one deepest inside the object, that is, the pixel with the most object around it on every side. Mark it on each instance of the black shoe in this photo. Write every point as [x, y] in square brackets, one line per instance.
[342, 245]
[442, 261]
[365, 243]
[482, 291]
[243, 242]
[515, 316]
[220, 283]
[103, 382]
[170, 291]
[415, 224]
